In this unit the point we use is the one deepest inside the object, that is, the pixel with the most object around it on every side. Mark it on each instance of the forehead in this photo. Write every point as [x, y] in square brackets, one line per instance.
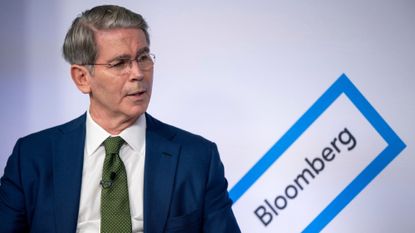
[120, 41]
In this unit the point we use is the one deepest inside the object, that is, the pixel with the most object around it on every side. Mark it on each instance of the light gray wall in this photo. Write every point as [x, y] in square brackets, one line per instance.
[239, 73]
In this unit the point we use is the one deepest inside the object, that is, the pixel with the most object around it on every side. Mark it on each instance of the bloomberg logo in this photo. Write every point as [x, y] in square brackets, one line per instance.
[318, 166]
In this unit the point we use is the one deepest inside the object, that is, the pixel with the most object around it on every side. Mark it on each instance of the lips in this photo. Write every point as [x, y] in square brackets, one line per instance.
[137, 95]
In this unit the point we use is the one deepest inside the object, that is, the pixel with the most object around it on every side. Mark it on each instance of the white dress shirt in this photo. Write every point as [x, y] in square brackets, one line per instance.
[132, 153]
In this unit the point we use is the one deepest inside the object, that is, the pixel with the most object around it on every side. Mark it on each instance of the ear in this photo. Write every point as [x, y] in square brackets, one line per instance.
[80, 76]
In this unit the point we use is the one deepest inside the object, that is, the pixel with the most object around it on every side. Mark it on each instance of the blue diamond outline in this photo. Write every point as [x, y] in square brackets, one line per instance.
[342, 85]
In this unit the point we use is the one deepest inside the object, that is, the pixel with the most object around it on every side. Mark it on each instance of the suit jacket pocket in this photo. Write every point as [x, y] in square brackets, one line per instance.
[185, 223]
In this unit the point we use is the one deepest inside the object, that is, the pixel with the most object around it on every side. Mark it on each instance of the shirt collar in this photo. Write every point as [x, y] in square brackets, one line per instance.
[134, 135]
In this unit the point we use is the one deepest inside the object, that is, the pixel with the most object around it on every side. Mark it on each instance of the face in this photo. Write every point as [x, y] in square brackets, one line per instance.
[114, 94]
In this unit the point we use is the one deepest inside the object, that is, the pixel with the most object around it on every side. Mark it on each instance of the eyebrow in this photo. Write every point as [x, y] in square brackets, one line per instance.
[127, 56]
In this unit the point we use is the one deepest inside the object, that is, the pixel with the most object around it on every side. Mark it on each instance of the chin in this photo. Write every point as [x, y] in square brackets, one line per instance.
[136, 111]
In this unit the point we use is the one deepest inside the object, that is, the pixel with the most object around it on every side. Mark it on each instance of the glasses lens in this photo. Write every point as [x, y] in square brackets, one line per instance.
[146, 61]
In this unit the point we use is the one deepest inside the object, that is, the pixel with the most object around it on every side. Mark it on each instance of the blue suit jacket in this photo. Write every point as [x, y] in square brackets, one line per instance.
[184, 185]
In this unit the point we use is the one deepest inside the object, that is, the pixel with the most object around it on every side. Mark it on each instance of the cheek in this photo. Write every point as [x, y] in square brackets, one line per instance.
[149, 81]
[109, 91]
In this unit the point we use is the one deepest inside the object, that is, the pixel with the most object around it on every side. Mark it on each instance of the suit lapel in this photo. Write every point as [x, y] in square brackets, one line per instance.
[160, 168]
[159, 173]
[67, 174]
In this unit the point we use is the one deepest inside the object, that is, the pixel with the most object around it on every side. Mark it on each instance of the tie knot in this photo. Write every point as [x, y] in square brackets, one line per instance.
[113, 144]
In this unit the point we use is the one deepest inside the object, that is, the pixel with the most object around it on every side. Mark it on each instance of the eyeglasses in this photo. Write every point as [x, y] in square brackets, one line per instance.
[122, 66]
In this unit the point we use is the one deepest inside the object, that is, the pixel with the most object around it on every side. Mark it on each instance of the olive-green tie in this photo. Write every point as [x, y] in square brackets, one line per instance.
[115, 206]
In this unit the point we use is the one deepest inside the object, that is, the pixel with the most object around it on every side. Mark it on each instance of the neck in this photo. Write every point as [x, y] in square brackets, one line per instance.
[111, 123]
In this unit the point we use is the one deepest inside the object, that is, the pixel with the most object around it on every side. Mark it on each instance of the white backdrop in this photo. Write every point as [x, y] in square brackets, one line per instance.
[240, 73]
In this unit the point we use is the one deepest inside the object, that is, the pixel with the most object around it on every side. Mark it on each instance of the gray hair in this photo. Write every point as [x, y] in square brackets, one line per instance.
[80, 46]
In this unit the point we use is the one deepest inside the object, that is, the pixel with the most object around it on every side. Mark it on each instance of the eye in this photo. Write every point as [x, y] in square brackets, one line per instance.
[119, 64]
[144, 58]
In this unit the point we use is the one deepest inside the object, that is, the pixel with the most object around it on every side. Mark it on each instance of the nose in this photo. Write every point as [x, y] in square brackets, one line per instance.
[136, 73]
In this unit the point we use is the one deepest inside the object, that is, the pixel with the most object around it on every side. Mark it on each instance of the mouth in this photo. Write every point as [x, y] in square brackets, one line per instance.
[137, 94]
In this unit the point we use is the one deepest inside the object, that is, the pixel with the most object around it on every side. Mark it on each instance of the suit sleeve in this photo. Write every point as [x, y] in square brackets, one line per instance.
[218, 215]
[12, 203]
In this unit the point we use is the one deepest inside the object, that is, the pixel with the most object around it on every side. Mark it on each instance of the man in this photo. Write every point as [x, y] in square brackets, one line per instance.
[115, 168]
